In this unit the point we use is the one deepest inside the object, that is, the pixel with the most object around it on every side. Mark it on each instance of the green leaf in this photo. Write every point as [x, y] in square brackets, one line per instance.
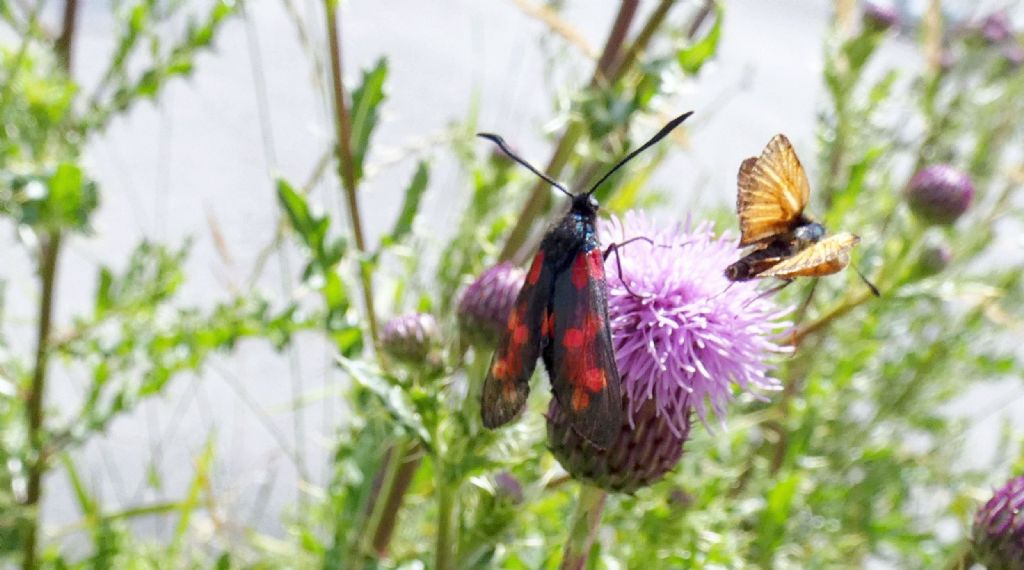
[85, 501]
[310, 228]
[693, 57]
[394, 399]
[411, 205]
[365, 100]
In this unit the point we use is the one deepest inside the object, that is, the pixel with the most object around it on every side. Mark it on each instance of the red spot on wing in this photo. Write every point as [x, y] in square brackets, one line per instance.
[520, 335]
[596, 261]
[499, 369]
[579, 272]
[573, 339]
[535, 269]
[580, 400]
[547, 326]
[594, 380]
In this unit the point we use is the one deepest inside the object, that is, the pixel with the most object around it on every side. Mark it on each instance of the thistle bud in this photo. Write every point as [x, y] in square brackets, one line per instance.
[996, 28]
[934, 258]
[939, 194]
[508, 489]
[411, 338]
[485, 305]
[880, 18]
[1013, 55]
[998, 537]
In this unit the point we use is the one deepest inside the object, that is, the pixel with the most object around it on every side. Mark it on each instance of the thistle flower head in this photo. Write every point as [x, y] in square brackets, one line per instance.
[880, 17]
[996, 28]
[683, 336]
[688, 334]
[411, 337]
[934, 257]
[485, 305]
[999, 528]
[940, 193]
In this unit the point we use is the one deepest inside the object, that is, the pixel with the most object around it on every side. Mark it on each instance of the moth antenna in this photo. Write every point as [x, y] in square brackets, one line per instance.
[874, 290]
[496, 139]
[654, 140]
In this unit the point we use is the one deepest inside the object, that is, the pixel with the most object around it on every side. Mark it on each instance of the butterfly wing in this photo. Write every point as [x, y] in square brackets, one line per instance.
[772, 192]
[580, 357]
[828, 256]
[508, 379]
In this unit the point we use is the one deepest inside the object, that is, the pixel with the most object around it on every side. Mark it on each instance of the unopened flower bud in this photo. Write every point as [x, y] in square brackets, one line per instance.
[410, 338]
[508, 488]
[880, 17]
[998, 535]
[934, 258]
[940, 193]
[996, 28]
[485, 305]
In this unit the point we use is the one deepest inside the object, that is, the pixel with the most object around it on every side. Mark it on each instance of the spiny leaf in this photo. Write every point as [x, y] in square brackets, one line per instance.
[413, 196]
[365, 102]
[693, 57]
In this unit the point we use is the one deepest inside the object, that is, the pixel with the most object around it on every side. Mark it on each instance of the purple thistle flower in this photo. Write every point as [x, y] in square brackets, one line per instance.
[681, 342]
[691, 333]
[999, 528]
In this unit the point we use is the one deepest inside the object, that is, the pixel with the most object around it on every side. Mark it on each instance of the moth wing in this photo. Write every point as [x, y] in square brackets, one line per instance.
[772, 192]
[828, 256]
[507, 384]
[580, 357]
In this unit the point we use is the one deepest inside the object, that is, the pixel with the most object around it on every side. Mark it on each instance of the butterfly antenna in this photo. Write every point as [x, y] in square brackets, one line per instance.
[874, 290]
[654, 140]
[505, 149]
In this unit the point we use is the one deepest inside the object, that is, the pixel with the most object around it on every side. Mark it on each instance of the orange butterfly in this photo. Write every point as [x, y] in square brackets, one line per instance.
[785, 244]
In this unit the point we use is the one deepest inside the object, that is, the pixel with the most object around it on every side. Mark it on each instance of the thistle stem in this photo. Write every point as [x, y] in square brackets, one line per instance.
[444, 556]
[48, 256]
[540, 195]
[346, 164]
[963, 558]
[586, 522]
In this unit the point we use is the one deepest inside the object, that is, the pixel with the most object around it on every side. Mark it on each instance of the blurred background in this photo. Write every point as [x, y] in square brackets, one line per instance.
[197, 163]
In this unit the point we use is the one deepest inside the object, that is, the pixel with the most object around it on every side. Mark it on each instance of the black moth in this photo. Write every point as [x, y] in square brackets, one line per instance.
[561, 315]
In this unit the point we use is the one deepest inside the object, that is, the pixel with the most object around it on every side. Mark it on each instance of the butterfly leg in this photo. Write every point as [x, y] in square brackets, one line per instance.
[771, 291]
[874, 290]
[618, 262]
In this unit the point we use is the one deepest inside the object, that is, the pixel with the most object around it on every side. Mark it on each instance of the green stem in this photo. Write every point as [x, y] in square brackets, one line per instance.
[963, 558]
[48, 256]
[346, 164]
[444, 556]
[586, 522]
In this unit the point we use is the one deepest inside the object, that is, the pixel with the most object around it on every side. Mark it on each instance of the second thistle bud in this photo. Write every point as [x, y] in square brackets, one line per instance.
[412, 339]
[934, 258]
[939, 194]
[485, 305]
[998, 533]
[879, 17]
